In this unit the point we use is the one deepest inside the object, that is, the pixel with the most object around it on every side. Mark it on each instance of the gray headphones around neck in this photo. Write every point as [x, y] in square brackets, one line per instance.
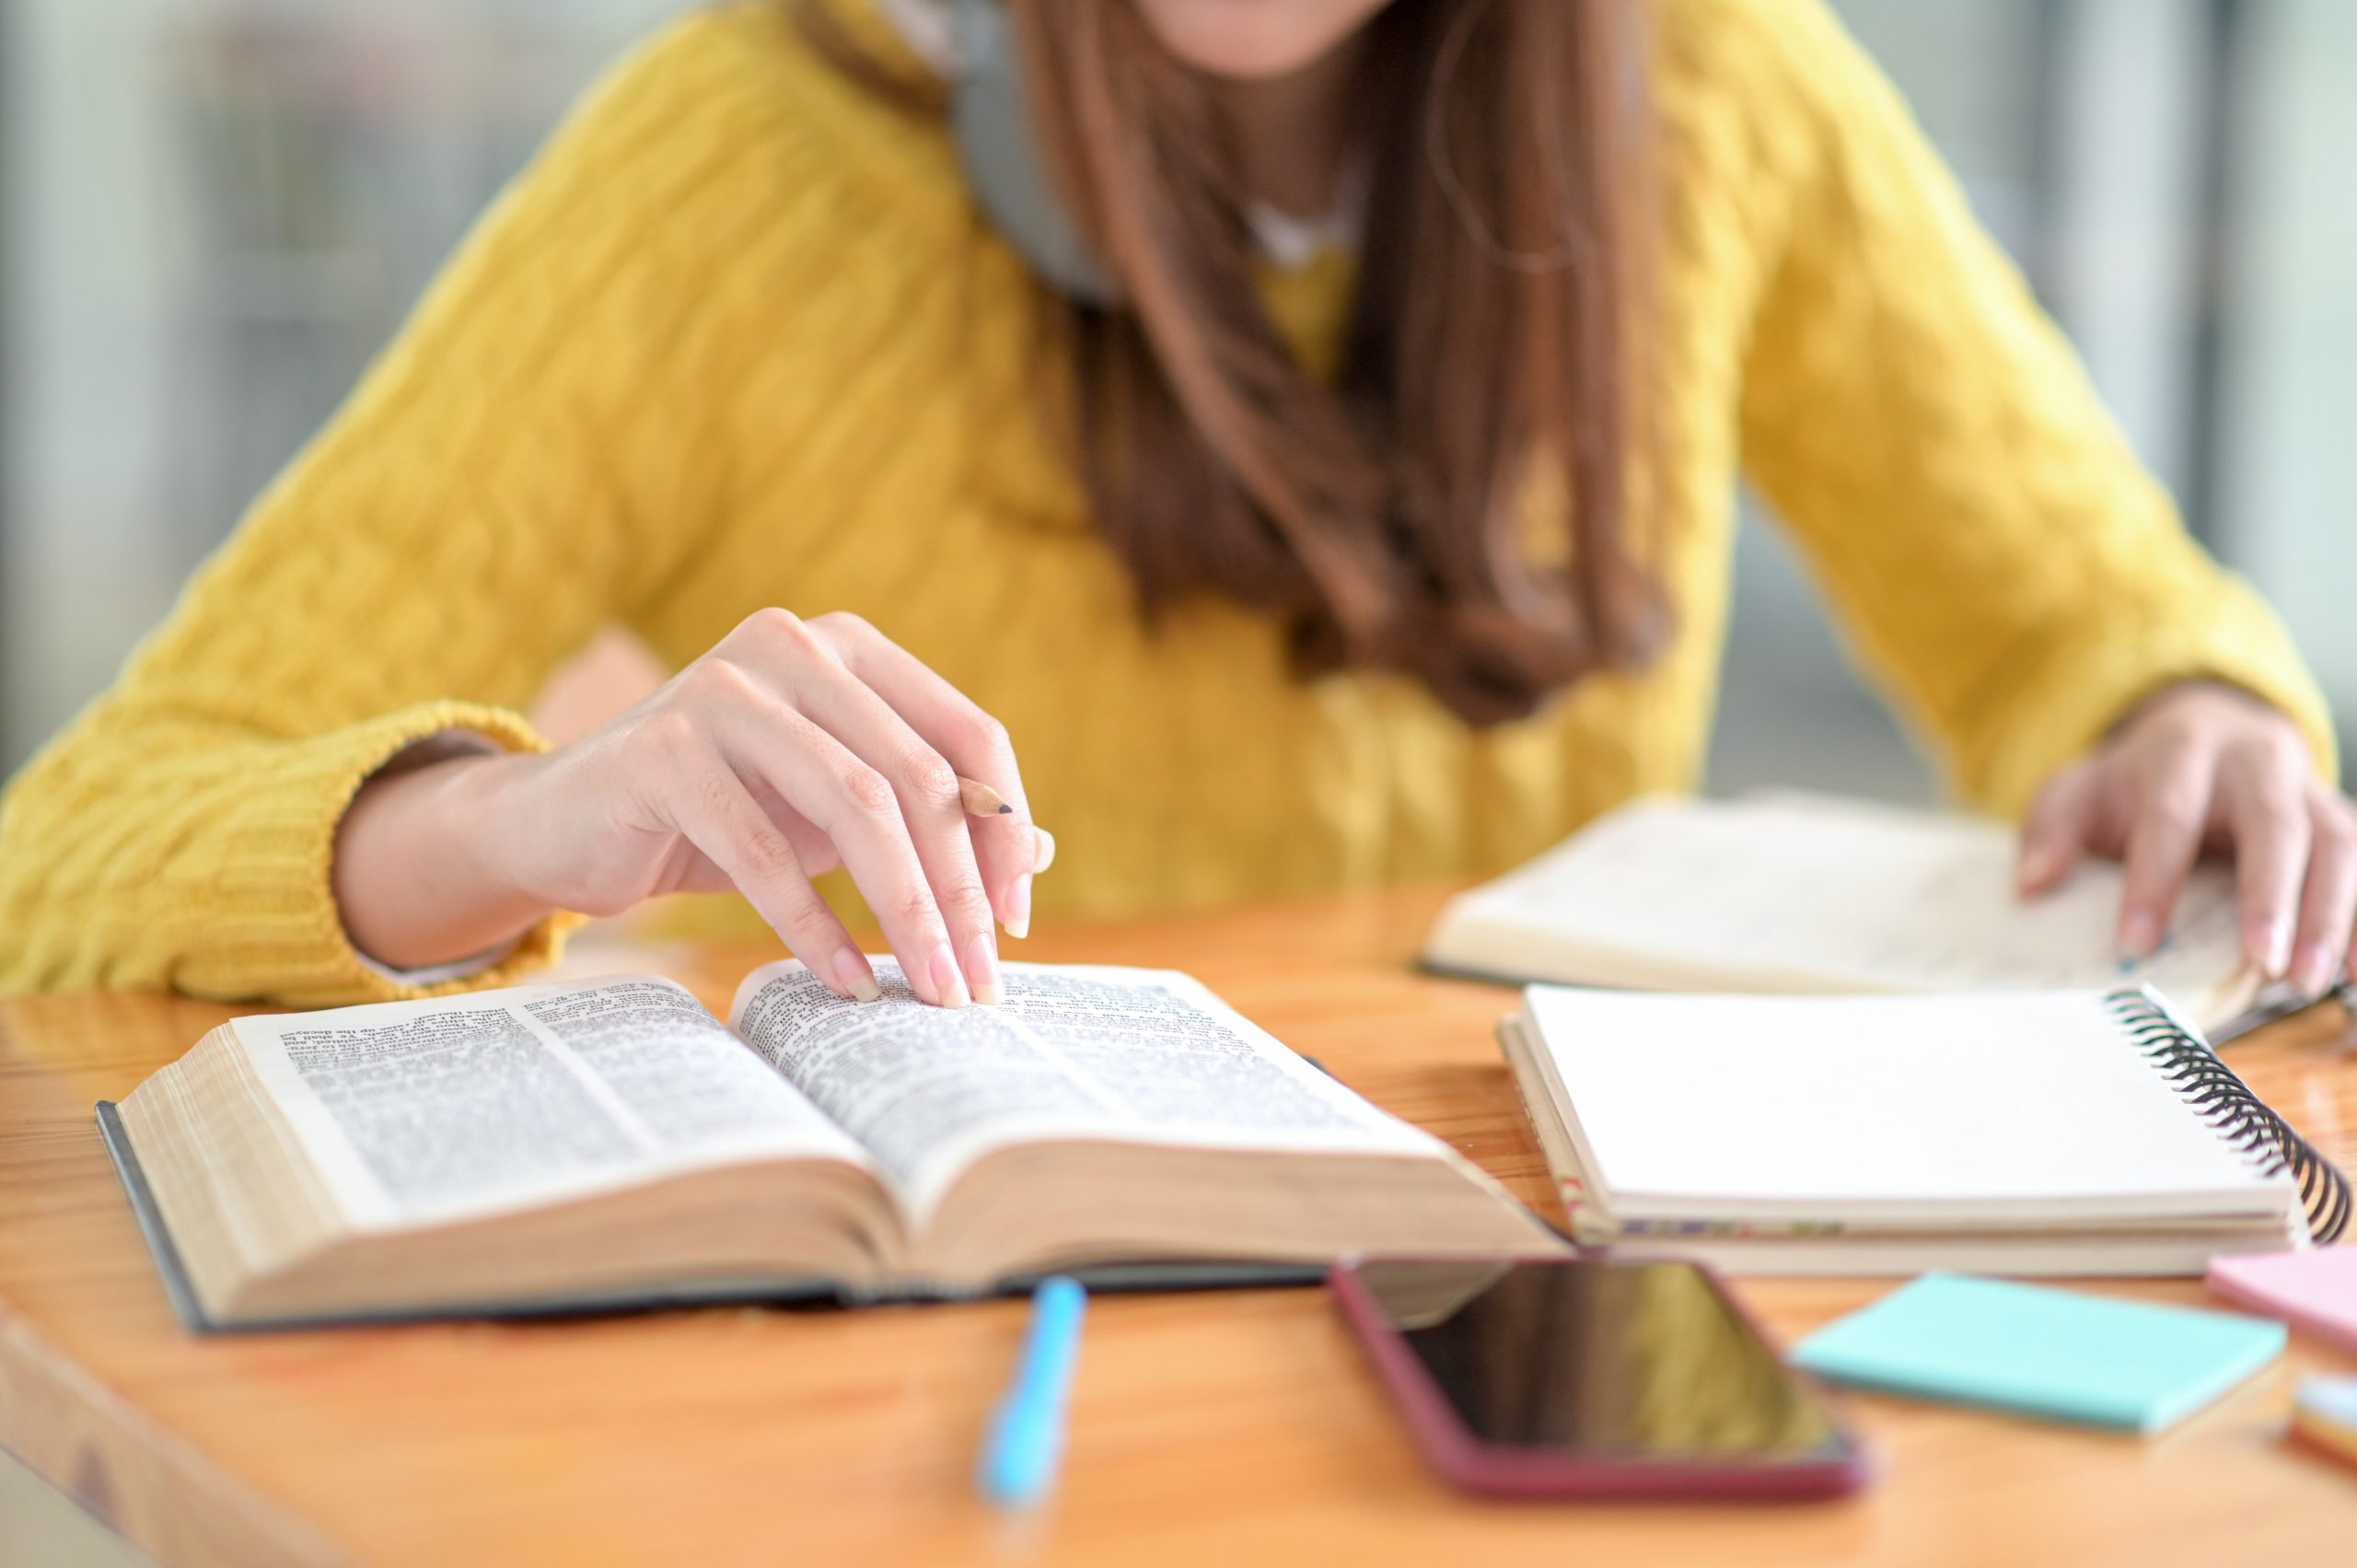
[989, 115]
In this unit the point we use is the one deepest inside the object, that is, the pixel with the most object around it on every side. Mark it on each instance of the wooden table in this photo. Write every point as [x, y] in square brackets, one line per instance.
[1220, 1428]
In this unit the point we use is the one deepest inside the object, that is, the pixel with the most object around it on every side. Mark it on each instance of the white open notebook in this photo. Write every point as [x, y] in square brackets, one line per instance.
[2035, 1132]
[1802, 893]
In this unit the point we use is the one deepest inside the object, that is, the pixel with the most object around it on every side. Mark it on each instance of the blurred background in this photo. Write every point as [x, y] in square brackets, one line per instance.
[212, 211]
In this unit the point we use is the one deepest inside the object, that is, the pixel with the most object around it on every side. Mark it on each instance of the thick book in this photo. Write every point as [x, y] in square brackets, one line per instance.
[2042, 1132]
[1799, 893]
[610, 1142]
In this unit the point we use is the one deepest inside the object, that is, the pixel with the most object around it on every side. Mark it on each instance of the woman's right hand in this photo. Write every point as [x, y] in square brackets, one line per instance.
[792, 748]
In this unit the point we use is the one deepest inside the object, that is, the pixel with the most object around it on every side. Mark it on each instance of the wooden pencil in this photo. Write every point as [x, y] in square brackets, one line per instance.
[980, 799]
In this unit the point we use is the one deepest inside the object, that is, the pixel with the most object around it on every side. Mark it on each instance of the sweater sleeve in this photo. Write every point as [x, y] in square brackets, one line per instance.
[527, 461]
[2000, 560]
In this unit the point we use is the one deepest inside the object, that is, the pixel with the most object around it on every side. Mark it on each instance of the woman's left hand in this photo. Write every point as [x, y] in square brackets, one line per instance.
[2199, 767]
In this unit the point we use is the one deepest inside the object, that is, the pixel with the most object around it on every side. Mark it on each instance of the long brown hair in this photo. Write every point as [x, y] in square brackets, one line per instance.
[1493, 360]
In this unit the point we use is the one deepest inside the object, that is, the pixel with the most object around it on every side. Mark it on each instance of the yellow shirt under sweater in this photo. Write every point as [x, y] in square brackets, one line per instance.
[739, 337]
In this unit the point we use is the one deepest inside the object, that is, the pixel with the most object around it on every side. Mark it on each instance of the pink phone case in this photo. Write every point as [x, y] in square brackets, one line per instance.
[1494, 1471]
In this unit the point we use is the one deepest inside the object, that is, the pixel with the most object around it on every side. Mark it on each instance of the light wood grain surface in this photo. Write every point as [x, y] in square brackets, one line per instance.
[1223, 1428]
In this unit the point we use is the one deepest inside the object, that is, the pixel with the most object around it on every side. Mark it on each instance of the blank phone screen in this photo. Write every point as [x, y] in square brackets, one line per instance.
[1622, 1359]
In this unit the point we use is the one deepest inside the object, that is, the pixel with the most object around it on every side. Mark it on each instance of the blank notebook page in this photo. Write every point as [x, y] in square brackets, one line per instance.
[2037, 1105]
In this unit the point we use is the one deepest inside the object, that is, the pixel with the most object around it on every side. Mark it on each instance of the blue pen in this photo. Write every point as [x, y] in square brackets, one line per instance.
[1027, 1435]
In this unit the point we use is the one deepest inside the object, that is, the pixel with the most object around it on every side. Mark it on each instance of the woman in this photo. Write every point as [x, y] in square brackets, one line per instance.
[1289, 561]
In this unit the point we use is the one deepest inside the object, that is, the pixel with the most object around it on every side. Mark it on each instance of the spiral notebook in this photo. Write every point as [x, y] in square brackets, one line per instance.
[2042, 1132]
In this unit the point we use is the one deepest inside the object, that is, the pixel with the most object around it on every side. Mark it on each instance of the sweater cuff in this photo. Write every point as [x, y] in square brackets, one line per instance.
[287, 940]
[2074, 702]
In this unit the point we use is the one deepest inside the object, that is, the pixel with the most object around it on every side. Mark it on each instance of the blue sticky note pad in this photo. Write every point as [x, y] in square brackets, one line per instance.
[2043, 1351]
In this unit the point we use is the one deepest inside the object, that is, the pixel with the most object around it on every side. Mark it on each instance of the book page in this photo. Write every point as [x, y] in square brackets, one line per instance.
[1141, 1055]
[1798, 892]
[422, 1111]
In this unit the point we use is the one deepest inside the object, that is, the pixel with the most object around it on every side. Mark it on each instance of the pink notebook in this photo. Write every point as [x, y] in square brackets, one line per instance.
[2315, 1290]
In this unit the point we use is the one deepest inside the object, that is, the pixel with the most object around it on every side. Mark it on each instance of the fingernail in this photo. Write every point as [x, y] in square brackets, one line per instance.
[948, 985]
[981, 968]
[1018, 908]
[2312, 972]
[853, 973]
[2138, 934]
[2275, 948]
[2034, 868]
[1043, 853]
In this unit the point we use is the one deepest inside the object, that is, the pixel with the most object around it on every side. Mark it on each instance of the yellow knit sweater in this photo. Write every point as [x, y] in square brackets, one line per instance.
[739, 337]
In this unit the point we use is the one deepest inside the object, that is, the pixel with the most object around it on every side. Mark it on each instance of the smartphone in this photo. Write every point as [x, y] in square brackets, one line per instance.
[1586, 1377]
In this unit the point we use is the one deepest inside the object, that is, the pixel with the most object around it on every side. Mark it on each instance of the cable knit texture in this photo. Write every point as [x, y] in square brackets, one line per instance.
[738, 337]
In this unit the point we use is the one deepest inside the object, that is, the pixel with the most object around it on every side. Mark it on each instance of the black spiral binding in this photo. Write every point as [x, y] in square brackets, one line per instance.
[2226, 1103]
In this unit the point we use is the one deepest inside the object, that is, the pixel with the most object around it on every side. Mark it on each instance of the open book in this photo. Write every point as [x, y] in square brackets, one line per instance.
[611, 1143]
[1793, 892]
